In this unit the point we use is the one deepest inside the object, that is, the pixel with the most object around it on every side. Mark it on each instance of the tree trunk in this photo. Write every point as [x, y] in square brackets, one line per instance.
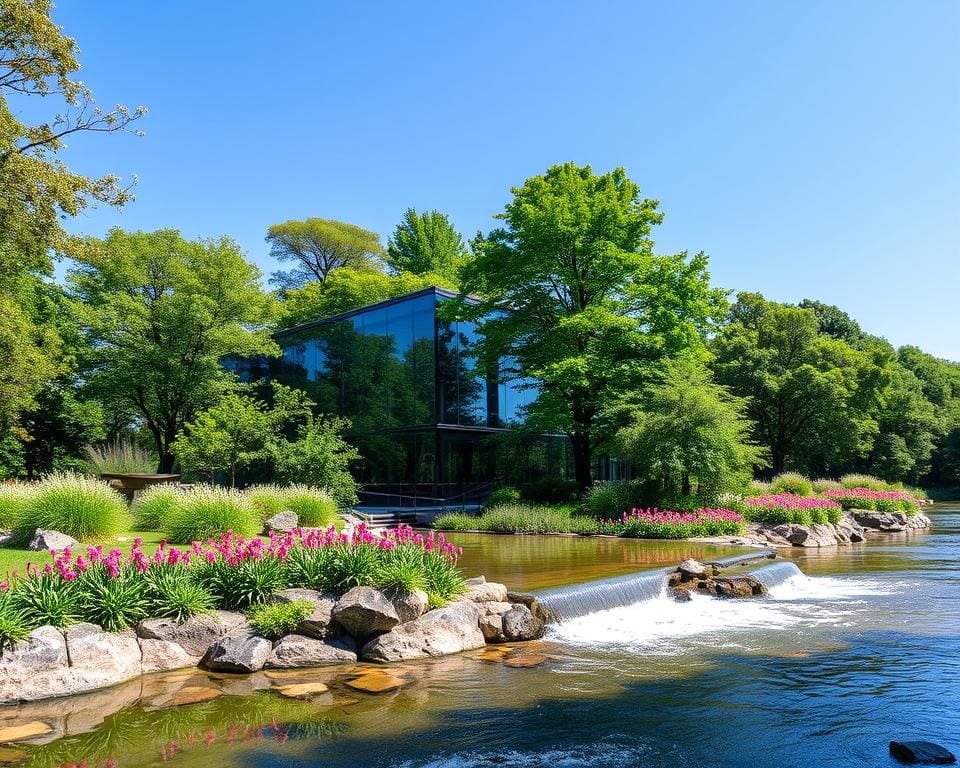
[582, 453]
[685, 485]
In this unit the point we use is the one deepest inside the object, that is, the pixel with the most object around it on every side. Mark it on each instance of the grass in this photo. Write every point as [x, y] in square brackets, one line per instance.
[205, 512]
[522, 518]
[273, 620]
[17, 558]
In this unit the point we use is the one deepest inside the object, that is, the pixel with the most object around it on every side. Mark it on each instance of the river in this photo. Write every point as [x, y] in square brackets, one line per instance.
[860, 648]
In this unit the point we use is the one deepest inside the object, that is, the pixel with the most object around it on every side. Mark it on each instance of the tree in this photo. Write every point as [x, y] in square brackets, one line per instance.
[159, 314]
[834, 322]
[317, 247]
[812, 397]
[575, 299]
[38, 190]
[347, 289]
[426, 243]
[230, 435]
[320, 457]
[691, 432]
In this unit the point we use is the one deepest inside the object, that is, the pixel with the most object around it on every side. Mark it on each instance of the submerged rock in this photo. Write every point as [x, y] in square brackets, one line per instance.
[921, 753]
[365, 611]
[443, 631]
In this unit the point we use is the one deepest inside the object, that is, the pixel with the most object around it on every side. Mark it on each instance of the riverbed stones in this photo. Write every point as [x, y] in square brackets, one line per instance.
[365, 611]
[242, 652]
[452, 629]
[921, 753]
[301, 690]
[293, 651]
[736, 586]
[281, 522]
[25, 731]
[44, 541]
[196, 634]
[377, 681]
[520, 625]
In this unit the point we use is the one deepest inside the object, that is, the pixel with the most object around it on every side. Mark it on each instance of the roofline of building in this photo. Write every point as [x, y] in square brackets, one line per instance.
[431, 291]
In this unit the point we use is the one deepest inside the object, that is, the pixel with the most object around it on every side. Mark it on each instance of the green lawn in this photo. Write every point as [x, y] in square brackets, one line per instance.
[17, 559]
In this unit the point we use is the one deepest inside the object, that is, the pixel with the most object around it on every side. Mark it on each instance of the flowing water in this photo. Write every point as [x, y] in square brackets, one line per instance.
[853, 647]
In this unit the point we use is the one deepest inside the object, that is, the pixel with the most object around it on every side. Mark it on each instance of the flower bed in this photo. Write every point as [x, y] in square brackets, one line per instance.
[662, 524]
[230, 572]
[780, 508]
[880, 501]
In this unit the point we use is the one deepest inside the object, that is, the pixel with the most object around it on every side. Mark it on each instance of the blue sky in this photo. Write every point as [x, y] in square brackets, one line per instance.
[812, 149]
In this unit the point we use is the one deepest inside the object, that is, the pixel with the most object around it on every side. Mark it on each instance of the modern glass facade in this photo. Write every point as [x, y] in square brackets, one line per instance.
[428, 421]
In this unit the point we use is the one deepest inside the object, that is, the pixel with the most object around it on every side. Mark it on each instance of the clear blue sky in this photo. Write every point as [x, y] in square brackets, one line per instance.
[812, 149]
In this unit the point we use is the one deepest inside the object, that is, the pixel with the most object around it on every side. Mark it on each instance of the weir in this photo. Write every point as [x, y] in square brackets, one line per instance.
[775, 574]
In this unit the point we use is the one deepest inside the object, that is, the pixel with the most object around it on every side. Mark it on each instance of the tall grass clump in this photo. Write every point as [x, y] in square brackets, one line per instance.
[79, 506]
[154, 505]
[314, 507]
[791, 482]
[119, 457]
[268, 499]
[522, 518]
[207, 512]
[609, 500]
[857, 480]
[14, 499]
[506, 494]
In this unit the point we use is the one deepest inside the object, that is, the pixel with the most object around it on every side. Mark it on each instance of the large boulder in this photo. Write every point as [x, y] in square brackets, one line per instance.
[532, 603]
[196, 634]
[738, 586]
[163, 655]
[281, 522]
[520, 624]
[491, 621]
[320, 622]
[365, 611]
[487, 592]
[888, 522]
[102, 658]
[443, 631]
[692, 569]
[408, 605]
[242, 652]
[302, 651]
[44, 541]
[34, 668]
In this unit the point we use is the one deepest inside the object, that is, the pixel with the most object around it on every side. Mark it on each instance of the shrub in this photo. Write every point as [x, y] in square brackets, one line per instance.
[173, 593]
[154, 506]
[238, 585]
[550, 491]
[274, 620]
[456, 521]
[45, 598]
[321, 458]
[268, 499]
[528, 518]
[610, 500]
[402, 569]
[791, 482]
[823, 484]
[506, 494]
[82, 507]
[14, 499]
[781, 508]
[757, 488]
[118, 457]
[113, 602]
[881, 501]
[857, 480]
[315, 507]
[207, 512]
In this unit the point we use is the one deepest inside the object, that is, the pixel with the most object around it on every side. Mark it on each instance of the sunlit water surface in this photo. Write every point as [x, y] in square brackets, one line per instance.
[861, 648]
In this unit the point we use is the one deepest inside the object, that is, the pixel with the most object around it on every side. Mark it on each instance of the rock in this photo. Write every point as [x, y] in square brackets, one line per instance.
[738, 586]
[674, 579]
[281, 522]
[34, 668]
[497, 609]
[44, 541]
[475, 581]
[519, 624]
[409, 605]
[163, 655]
[13, 755]
[244, 652]
[488, 592]
[532, 603]
[102, 658]
[7, 537]
[887, 522]
[301, 651]
[681, 594]
[197, 633]
[377, 681]
[318, 624]
[491, 625]
[525, 661]
[692, 568]
[189, 694]
[921, 753]
[301, 690]
[451, 629]
[24, 731]
[365, 611]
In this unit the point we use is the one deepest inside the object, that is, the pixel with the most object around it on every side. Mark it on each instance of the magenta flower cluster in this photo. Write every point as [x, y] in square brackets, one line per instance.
[866, 493]
[655, 515]
[790, 501]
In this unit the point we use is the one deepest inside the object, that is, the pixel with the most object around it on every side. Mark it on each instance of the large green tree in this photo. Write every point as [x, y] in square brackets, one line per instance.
[160, 314]
[426, 243]
[575, 302]
[38, 190]
[316, 247]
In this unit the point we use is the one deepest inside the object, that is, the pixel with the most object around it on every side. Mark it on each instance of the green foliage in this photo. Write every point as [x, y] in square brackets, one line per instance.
[690, 433]
[173, 592]
[14, 501]
[504, 495]
[13, 623]
[236, 587]
[456, 521]
[779, 515]
[268, 499]
[317, 247]
[206, 512]
[820, 485]
[159, 314]
[550, 490]
[860, 480]
[46, 600]
[320, 457]
[229, 435]
[274, 620]
[403, 570]
[606, 501]
[791, 482]
[521, 518]
[113, 603]
[118, 457]
[315, 507]
[82, 507]
[154, 505]
[591, 307]
[425, 244]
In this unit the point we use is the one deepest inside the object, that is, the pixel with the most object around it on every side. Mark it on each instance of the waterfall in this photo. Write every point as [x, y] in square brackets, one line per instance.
[582, 599]
[775, 574]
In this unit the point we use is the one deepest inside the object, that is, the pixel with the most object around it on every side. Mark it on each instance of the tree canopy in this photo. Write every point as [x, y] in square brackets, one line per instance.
[160, 314]
[316, 247]
[426, 244]
[573, 295]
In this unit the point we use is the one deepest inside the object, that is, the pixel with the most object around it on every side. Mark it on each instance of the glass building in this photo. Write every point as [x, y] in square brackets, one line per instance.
[431, 426]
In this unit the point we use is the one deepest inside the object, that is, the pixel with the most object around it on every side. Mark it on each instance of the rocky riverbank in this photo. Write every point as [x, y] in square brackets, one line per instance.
[365, 624]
